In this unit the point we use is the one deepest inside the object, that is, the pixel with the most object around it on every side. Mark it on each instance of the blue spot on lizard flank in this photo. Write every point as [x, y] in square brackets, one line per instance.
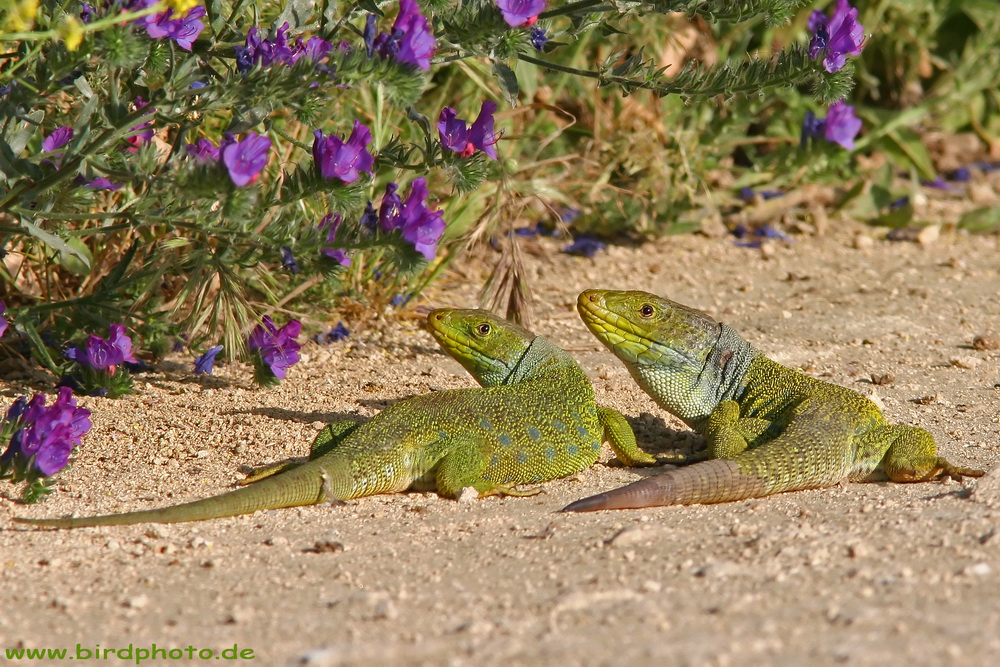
[582, 431]
[504, 439]
[559, 426]
[534, 433]
[596, 446]
[494, 460]
[485, 423]
[550, 453]
[443, 435]
[522, 457]
[572, 450]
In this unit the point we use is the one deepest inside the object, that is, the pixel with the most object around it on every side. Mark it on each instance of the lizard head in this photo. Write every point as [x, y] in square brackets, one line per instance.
[664, 344]
[487, 346]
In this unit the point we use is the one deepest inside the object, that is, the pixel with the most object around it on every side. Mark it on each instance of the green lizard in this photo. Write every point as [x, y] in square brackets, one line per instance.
[768, 428]
[534, 420]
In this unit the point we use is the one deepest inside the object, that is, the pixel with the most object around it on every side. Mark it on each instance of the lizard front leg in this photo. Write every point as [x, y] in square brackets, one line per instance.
[727, 434]
[620, 436]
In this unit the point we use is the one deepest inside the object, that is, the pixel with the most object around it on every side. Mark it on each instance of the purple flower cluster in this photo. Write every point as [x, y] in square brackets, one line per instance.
[331, 223]
[458, 136]
[837, 36]
[244, 158]
[3, 320]
[104, 355]
[277, 348]
[520, 12]
[266, 52]
[336, 158]
[419, 225]
[840, 126]
[44, 437]
[410, 41]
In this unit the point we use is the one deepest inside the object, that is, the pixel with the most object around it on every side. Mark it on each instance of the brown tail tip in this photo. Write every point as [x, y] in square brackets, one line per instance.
[590, 504]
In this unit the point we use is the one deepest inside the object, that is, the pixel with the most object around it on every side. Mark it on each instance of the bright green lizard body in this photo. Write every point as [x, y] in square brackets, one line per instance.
[534, 420]
[768, 428]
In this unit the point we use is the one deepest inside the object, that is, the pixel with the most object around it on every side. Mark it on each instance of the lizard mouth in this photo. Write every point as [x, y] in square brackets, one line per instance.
[612, 329]
[447, 336]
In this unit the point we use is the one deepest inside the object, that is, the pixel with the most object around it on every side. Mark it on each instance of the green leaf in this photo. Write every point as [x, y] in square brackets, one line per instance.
[19, 138]
[53, 241]
[981, 220]
[909, 144]
[297, 13]
[73, 259]
[899, 217]
[508, 82]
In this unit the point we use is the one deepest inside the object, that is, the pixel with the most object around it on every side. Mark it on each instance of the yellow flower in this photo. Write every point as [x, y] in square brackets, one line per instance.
[181, 7]
[23, 16]
[71, 31]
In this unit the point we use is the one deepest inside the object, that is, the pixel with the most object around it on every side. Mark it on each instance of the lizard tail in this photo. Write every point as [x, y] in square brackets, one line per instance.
[715, 481]
[304, 485]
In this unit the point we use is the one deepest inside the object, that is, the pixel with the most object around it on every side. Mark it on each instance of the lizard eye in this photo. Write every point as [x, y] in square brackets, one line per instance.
[646, 310]
[483, 329]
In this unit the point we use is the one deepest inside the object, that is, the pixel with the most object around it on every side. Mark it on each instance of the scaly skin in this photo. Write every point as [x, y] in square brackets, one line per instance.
[534, 420]
[768, 428]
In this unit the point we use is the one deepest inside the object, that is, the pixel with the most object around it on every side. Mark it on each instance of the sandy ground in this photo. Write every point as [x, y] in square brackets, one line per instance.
[857, 574]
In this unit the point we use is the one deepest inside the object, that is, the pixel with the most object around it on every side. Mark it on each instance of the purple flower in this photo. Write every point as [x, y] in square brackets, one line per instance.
[389, 212]
[336, 158]
[265, 52]
[538, 38]
[46, 435]
[369, 34]
[205, 364]
[100, 354]
[338, 333]
[288, 260]
[203, 151]
[458, 137]
[146, 134]
[182, 30]
[417, 44]
[584, 245]
[245, 159]
[419, 225]
[369, 218]
[410, 42]
[3, 320]
[122, 345]
[842, 125]
[278, 348]
[520, 12]
[102, 184]
[331, 223]
[58, 138]
[837, 37]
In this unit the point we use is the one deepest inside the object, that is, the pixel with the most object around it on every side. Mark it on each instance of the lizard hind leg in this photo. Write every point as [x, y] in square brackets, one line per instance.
[912, 457]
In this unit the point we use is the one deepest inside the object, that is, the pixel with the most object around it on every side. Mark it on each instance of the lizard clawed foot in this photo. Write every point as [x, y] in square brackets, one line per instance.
[941, 470]
[683, 459]
[508, 490]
